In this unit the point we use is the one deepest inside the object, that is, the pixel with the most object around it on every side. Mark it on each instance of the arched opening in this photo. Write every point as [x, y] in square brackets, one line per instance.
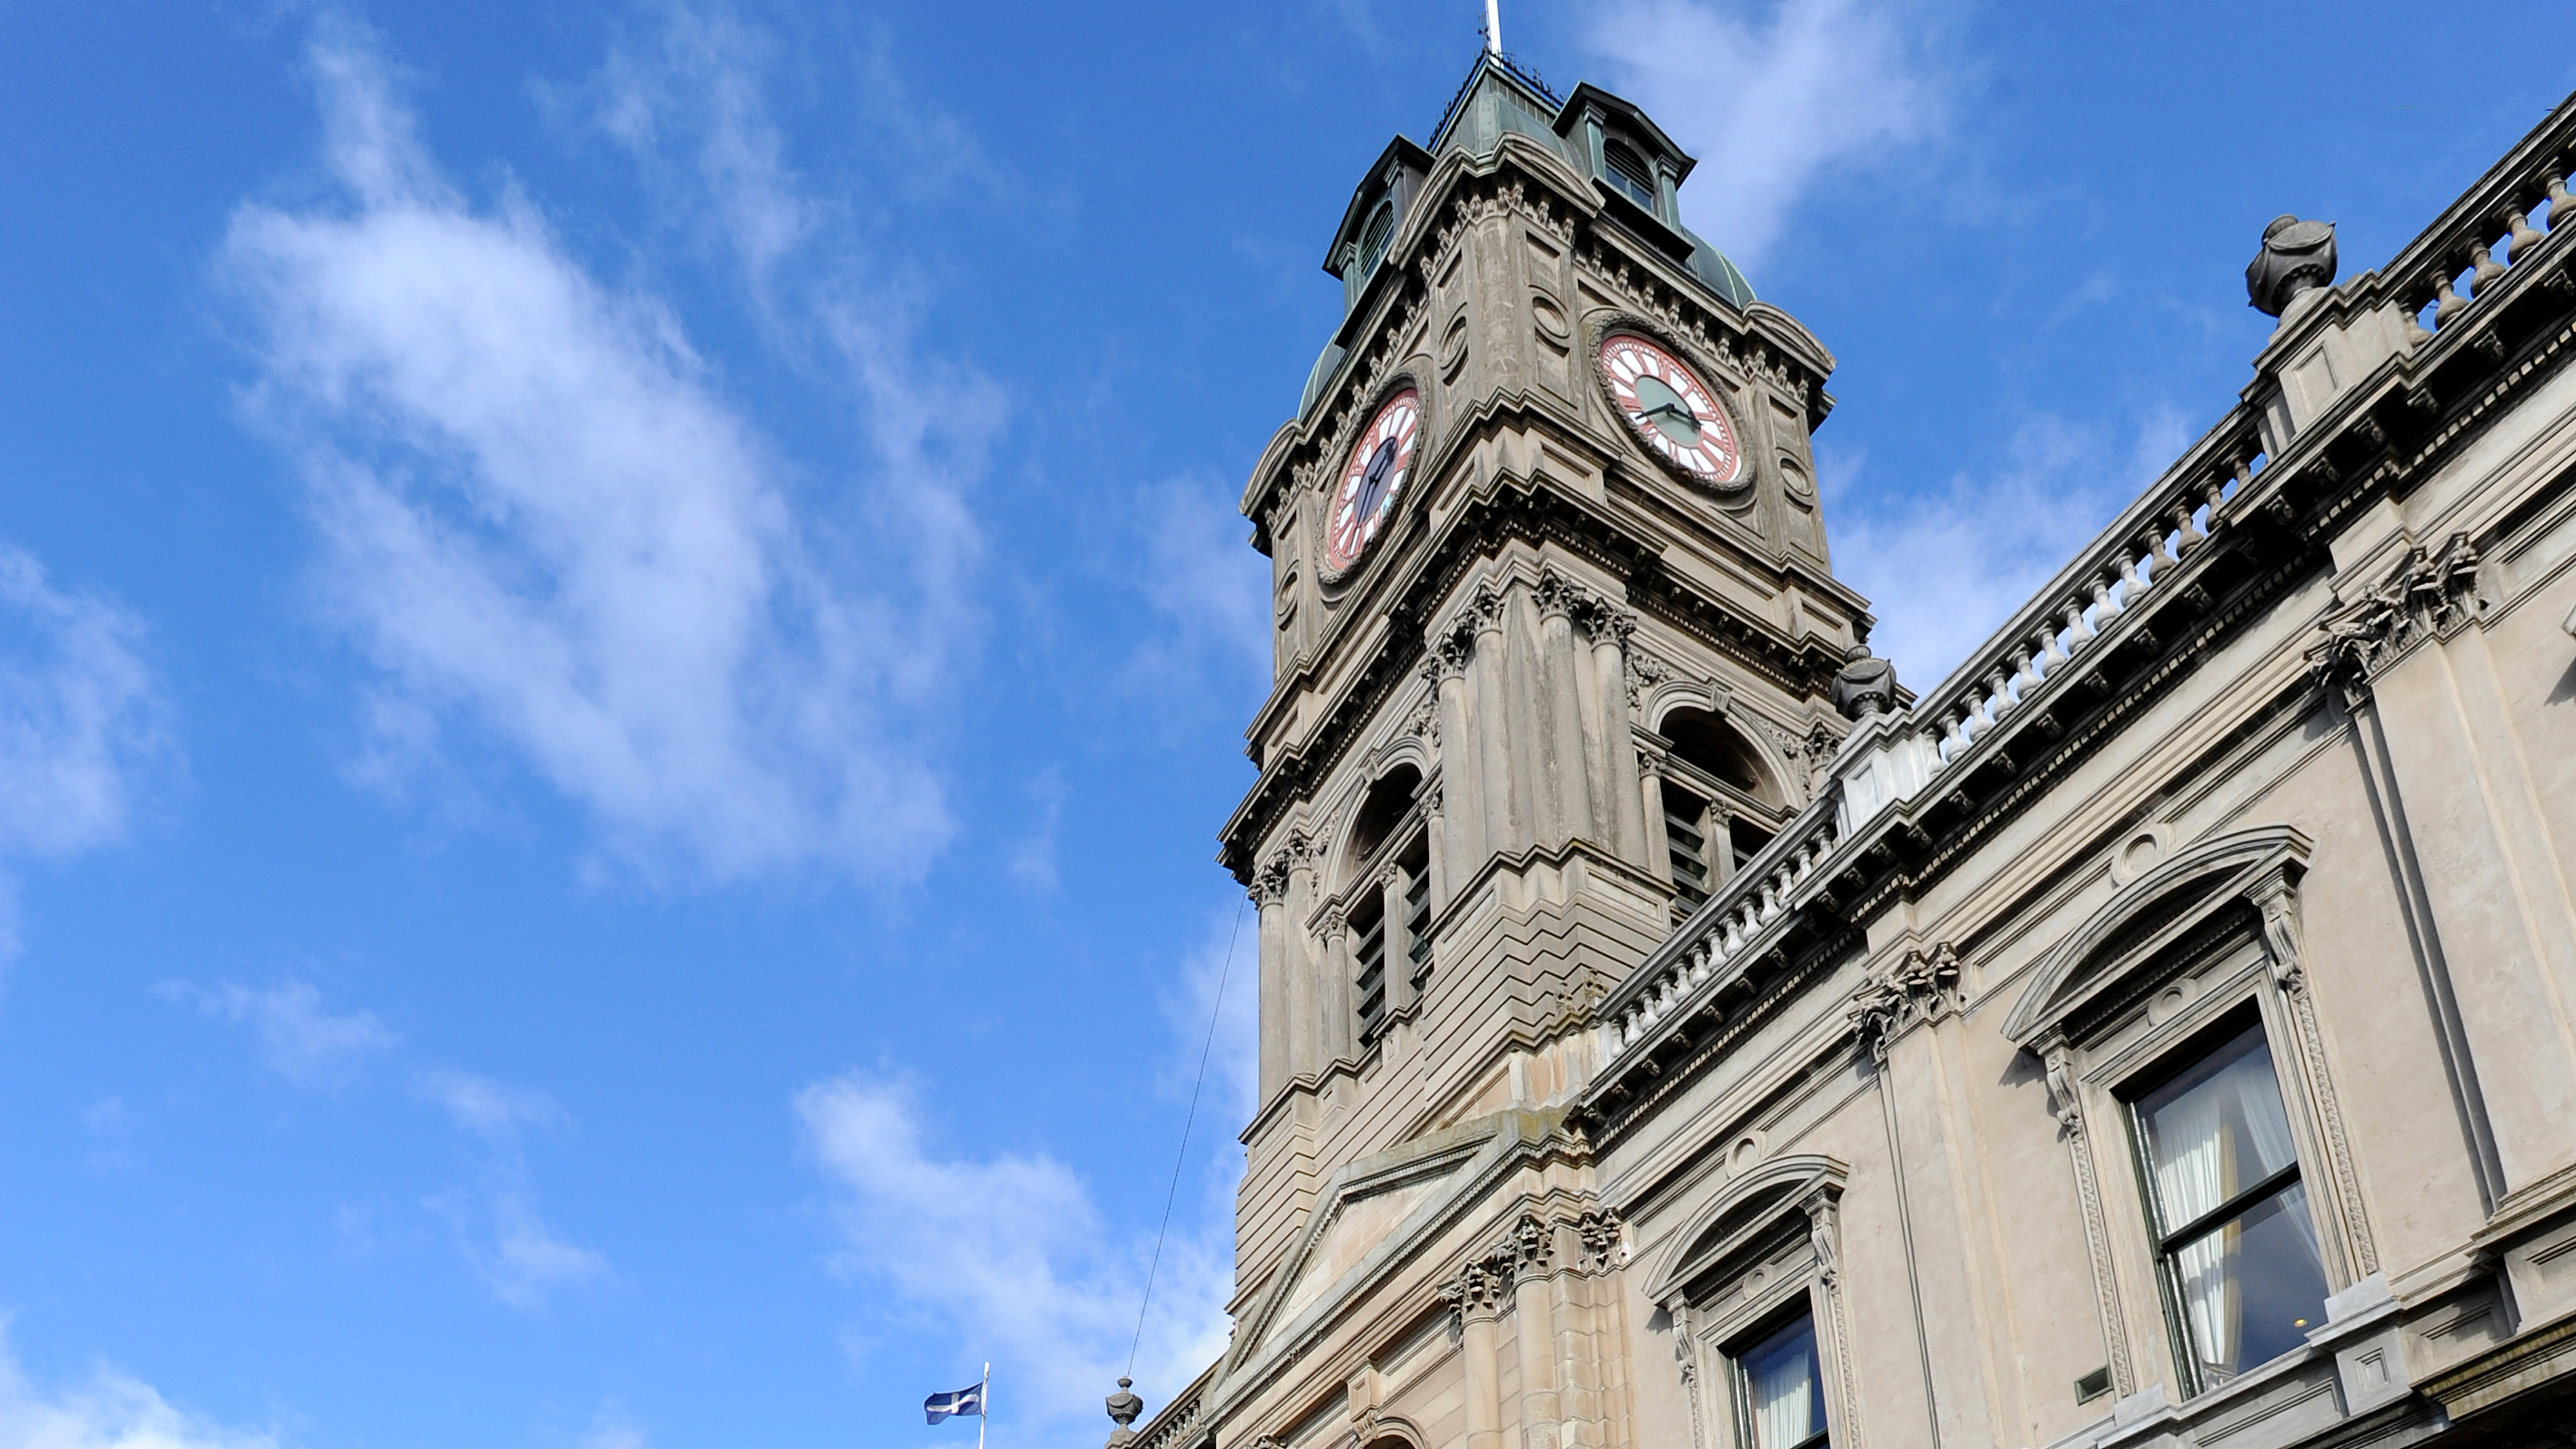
[1388, 801]
[1388, 901]
[1721, 805]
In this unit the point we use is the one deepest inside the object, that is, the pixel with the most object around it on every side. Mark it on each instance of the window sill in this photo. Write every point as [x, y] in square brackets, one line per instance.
[2353, 1365]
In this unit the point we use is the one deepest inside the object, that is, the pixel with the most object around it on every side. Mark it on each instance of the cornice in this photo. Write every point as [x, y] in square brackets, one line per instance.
[1506, 508]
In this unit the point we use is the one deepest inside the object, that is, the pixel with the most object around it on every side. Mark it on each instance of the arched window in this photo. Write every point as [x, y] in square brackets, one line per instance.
[1629, 172]
[1388, 917]
[1389, 799]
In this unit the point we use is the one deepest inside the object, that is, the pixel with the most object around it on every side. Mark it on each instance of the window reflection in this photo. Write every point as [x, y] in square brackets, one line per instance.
[1784, 1389]
[2238, 1241]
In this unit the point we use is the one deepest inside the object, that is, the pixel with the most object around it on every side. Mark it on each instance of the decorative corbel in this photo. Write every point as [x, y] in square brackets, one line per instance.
[2276, 895]
[1823, 1232]
[2055, 1058]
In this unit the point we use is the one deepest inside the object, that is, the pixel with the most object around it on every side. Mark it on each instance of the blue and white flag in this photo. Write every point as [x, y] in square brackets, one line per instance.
[968, 1400]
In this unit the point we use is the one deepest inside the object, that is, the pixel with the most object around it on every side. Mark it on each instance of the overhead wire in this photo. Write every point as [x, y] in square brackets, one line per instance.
[1216, 1010]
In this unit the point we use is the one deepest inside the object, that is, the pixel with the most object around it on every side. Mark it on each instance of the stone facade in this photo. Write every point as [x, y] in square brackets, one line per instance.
[1676, 1033]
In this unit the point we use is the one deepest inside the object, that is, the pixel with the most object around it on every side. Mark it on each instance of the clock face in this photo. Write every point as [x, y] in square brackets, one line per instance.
[1671, 410]
[1372, 480]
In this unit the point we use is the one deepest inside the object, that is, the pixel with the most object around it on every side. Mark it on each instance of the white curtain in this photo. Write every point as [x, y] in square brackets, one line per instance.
[2220, 1137]
[2269, 1126]
[1783, 1399]
[2192, 1177]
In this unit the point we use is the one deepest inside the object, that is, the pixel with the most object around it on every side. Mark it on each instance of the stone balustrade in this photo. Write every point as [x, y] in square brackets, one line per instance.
[2065, 620]
[1731, 930]
[2498, 225]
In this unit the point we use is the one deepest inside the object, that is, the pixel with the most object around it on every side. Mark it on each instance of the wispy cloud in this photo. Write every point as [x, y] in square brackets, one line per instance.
[613, 1428]
[1010, 1250]
[494, 1111]
[112, 1409]
[1776, 99]
[681, 93]
[1943, 567]
[298, 1038]
[1190, 555]
[493, 1214]
[1032, 854]
[83, 722]
[499, 1228]
[546, 531]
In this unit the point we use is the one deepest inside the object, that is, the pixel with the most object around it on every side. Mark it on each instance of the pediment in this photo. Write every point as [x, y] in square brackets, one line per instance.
[1376, 1212]
[2150, 913]
[1361, 1220]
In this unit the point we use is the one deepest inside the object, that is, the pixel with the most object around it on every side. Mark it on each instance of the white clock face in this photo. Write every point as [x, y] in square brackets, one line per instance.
[1670, 410]
[1373, 480]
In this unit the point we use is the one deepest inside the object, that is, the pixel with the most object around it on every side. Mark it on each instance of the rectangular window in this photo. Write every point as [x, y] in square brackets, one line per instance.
[2238, 1248]
[1780, 1389]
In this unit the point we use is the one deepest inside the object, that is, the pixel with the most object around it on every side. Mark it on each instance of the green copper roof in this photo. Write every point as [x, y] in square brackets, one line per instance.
[1498, 96]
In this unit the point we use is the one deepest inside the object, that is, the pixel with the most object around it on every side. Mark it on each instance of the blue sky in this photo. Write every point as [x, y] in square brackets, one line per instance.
[623, 637]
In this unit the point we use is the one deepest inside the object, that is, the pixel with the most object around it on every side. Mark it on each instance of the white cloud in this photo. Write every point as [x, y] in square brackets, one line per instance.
[1032, 854]
[509, 1245]
[545, 529]
[691, 85]
[503, 1236]
[111, 1410]
[613, 1428]
[1943, 568]
[1010, 1252]
[1774, 103]
[494, 1111]
[1193, 560]
[298, 1039]
[82, 722]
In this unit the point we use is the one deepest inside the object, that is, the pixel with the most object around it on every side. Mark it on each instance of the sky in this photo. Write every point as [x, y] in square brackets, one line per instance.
[623, 634]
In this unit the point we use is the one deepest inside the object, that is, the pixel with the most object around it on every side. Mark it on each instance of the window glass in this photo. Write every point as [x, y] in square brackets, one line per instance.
[1373, 239]
[1628, 172]
[2239, 1243]
[1784, 1390]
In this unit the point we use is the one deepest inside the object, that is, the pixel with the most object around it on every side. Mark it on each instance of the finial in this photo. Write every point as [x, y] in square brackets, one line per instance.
[2297, 257]
[1494, 26]
[1865, 685]
[1124, 1406]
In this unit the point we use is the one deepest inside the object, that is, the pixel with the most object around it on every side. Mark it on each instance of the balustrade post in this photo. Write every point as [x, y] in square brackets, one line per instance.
[2523, 237]
[2483, 270]
[2447, 301]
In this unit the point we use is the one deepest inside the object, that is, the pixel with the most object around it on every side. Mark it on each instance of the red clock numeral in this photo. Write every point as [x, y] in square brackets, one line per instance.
[1373, 479]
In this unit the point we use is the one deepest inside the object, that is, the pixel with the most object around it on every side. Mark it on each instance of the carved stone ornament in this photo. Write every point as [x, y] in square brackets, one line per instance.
[1270, 884]
[1645, 671]
[1124, 1406]
[2297, 257]
[1597, 1229]
[1920, 988]
[1865, 685]
[1478, 1290]
[2424, 595]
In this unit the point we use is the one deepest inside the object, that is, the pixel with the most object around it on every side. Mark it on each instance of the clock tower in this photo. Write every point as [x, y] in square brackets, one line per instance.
[1556, 637]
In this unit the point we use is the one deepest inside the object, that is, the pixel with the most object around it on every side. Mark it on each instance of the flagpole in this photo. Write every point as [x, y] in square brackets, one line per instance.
[984, 1406]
